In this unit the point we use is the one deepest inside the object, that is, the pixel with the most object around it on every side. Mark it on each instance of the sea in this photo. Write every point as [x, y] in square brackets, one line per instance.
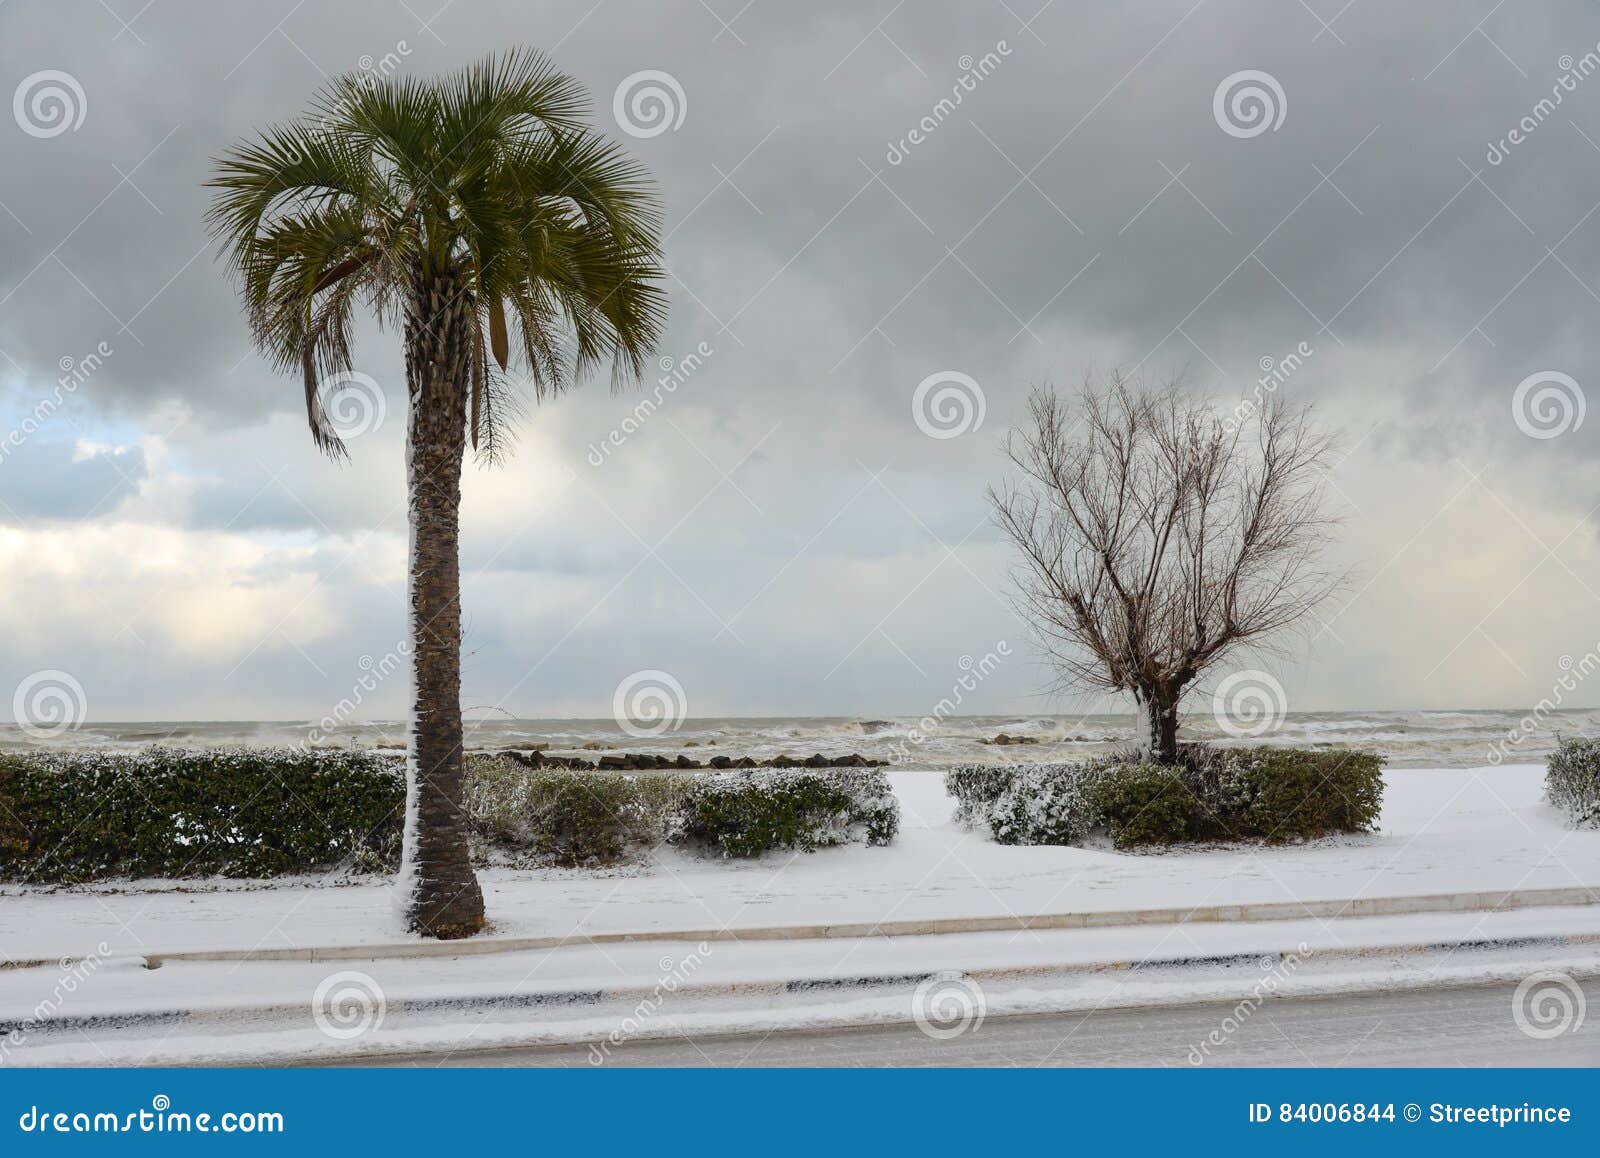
[1409, 739]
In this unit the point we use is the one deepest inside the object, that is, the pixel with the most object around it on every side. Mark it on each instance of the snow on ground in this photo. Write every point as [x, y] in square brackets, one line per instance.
[1441, 831]
[126, 986]
[387, 1011]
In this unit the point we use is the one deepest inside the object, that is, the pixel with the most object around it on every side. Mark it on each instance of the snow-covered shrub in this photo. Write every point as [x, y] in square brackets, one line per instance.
[1271, 794]
[572, 817]
[1031, 803]
[182, 812]
[1132, 802]
[584, 816]
[751, 812]
[1038, 803]
[1572, 780]
[976, 787]
[1286, 794]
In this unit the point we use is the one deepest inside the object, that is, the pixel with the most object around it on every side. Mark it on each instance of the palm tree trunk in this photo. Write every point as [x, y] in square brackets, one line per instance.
[440, 890]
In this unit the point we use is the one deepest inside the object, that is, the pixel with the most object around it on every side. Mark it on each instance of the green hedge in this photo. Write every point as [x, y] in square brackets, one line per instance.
[1572, 780]
[1153, 804]
[748, 813]
[1280, 794]
[1269, 794]
[164, 812]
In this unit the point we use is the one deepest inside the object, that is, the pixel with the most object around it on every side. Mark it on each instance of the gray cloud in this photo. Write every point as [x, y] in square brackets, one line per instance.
[55, 480]
[1080, 207]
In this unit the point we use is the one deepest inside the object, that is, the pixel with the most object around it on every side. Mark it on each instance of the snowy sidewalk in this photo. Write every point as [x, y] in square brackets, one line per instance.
[1441, 832]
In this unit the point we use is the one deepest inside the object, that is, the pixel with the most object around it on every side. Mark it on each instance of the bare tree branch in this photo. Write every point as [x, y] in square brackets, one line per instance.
[1155, 536]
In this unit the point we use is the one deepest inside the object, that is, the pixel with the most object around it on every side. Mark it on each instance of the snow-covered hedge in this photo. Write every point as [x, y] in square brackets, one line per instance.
[576, 816]
[1572, 780]
[1030, 803]
[168, 812]
[749, 813]
[568, 816]
[1271, 794]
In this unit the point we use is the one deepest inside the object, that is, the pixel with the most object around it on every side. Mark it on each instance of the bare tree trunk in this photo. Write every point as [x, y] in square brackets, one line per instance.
[1158, 742]
[444, 898]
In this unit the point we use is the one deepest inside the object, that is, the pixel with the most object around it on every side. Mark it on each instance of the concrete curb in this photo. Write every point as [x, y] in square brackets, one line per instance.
[1111, 918]
[633, 995]
[1492, 900]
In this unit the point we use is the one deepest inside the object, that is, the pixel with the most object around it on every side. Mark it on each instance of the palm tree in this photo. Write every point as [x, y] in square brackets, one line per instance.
[465, 210]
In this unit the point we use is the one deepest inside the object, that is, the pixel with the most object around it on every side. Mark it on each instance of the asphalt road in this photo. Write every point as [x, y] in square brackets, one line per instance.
[1453, 1026]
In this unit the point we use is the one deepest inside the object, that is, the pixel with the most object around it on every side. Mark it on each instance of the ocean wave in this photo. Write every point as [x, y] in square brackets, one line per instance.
[1432, 738]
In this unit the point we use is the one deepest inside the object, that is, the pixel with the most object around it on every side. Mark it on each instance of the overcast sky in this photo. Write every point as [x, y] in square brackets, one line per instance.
[783, 535]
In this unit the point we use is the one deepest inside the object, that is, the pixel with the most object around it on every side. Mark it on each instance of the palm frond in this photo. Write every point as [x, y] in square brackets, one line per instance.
[488, 177]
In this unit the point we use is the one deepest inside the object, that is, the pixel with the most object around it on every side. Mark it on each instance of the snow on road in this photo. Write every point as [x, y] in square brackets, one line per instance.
[228, 1012]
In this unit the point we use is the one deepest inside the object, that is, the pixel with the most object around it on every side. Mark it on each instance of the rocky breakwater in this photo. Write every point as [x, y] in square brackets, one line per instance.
[644, 762]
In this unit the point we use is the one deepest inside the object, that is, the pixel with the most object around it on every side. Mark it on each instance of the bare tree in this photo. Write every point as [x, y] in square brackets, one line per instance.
[1157, 535]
